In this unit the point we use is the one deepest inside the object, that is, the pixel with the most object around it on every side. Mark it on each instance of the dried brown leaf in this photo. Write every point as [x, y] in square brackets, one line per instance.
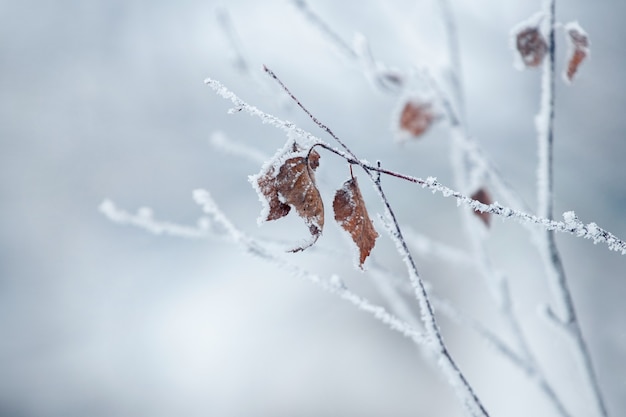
[267, 185]
[351, 214]
[294, 186]
[531, 45]
[579, 49]
[416, 117]
[483, 196]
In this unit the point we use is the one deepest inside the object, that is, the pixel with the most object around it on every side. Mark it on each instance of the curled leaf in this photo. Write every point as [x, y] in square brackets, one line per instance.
[351, 214]
[416, 117]
[291, 183]
[531, 46]
[483, 196]
[578, 49]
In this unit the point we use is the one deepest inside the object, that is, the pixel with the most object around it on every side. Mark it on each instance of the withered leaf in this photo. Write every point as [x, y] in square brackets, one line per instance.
[483, 196]
[351, 214]
[531, 45]
[416, 117]
[294, 186]
[578, 50]
[267, 185]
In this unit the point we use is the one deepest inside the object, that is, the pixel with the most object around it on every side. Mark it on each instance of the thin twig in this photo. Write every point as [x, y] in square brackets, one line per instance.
[324, 28]
[464, 159]
[383, 78]
[455, 57]
[144, 219]
[334, 286]
[573, 226]
[525, 361]
[315, 120]
[446, 362]
[225, 23]
[383, 279]
[453, 112]
[551, 256]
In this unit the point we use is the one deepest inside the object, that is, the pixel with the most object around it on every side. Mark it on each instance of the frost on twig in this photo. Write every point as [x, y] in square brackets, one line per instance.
[472, 403]
[240, 60]
[333, 285]
[587, 231]
[555, 271]
[224, 20]
[435, 343]
[383, 78]
[144, 219]
[343, 47]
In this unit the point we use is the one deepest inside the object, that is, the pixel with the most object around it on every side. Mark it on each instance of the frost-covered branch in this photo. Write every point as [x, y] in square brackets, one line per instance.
[392, 289]
[454, 55]
[385, 79]
[555, 270]
[324, 28]
[240, 62]
[571, 224]
[256, 248]
[394, 82]
[436, 343]
[144, 219]
[333, 285]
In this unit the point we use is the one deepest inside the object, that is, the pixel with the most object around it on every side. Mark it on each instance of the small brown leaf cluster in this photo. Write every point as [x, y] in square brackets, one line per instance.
[579, 50]
[351, 214]
[416, 117]
[483, 196]
[531, 45]
[292, 185]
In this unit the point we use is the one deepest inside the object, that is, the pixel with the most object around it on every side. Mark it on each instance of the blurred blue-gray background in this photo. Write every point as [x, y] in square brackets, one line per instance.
[105, 99]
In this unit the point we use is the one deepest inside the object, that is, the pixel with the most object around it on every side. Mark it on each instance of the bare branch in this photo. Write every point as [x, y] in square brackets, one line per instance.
[553, 264]
[333, 285]
[144, 219]
[588, 231]
[436, 344]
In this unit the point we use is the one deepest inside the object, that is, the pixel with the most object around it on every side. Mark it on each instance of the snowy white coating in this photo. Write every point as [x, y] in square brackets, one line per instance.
[253, 247]
[574, 25]
[144, 219]
[266, 118]
[333, 285]
[455, 379]
[337, 282]
[589, 231]
[428, 320]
